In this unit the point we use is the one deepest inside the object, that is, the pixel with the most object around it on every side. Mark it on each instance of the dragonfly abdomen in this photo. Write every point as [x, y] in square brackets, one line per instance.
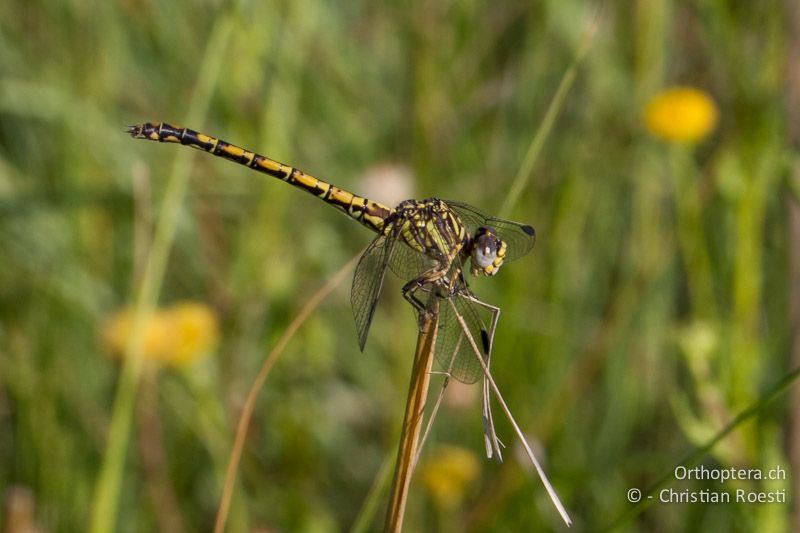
[369, 213]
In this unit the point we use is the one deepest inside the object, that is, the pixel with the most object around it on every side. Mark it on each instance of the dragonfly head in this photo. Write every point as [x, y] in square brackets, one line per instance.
[488, 251]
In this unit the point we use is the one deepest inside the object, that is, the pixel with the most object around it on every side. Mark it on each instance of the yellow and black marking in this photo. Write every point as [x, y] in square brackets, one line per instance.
[369, 213]
[426, 242]
[429, 226]
[432, 228]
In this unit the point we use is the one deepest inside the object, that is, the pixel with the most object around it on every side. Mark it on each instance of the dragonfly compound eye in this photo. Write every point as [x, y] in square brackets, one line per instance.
[488, 252]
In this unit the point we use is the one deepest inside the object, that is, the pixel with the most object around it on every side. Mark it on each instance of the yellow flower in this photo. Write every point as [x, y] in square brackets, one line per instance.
[174, 336]
[195, 331]
[117, 329]
[448, 473]
[680, 114]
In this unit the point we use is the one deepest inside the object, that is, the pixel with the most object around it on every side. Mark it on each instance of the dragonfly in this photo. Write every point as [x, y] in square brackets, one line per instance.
[427, 243]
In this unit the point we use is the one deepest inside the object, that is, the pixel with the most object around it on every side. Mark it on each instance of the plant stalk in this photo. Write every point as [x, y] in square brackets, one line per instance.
[412, 420]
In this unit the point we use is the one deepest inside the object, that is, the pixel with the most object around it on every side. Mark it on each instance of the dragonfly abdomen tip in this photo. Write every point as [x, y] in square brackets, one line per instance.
[135, 130]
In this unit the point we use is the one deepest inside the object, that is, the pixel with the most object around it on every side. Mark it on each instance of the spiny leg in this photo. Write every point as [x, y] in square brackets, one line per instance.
[492, 442]
[429, 277]
[539, 470]
[495, 312]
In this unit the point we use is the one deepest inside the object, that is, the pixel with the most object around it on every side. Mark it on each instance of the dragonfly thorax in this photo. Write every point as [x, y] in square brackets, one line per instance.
[431, 227]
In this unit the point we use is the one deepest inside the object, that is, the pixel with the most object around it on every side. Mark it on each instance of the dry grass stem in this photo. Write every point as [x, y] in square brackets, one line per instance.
[412, 420]
[249, 404]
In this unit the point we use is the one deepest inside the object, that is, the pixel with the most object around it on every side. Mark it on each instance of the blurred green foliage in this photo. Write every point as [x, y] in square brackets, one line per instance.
[653, 309]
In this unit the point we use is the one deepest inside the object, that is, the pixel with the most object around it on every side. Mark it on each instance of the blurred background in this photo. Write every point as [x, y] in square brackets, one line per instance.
[656, 306]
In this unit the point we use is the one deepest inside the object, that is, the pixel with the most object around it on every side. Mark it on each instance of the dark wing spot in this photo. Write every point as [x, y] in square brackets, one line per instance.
[529, 230]
[485, 341]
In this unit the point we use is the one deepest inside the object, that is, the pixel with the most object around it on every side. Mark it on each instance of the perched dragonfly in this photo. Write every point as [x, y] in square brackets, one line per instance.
[425, 242]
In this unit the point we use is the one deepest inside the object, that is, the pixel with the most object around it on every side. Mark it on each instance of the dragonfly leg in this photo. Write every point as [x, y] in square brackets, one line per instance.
[492, 442]
[429, 277]
[494, 311]
[409, 293]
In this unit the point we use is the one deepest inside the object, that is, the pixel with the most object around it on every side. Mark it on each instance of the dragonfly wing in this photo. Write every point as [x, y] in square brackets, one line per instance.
[519, 237]
[367, 283]
[454, 351]
[407, 263]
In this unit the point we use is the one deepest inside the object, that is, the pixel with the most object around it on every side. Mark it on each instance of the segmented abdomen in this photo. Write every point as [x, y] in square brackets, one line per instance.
[369, 213]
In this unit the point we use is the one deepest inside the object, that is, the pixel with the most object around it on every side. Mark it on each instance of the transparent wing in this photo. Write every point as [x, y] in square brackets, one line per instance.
[519, 237]
[367, 283]
[407, 263]
[454, 352]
